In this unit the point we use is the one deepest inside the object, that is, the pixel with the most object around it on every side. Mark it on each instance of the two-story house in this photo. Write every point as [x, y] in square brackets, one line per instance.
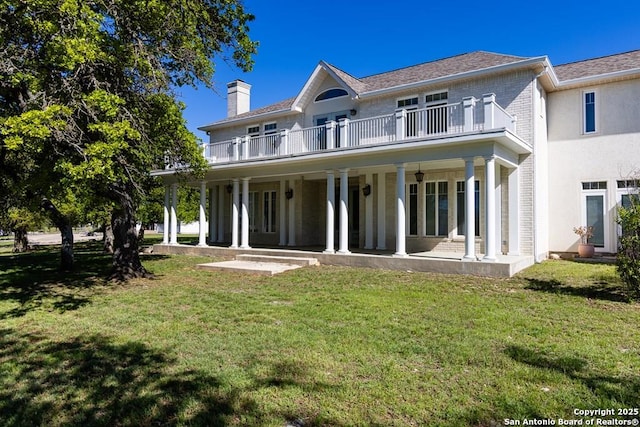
[480, 157]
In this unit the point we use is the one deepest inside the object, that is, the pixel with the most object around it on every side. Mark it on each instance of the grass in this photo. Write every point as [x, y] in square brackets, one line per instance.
[317, 346]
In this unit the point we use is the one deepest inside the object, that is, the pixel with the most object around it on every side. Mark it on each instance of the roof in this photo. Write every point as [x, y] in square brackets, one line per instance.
[598, 66]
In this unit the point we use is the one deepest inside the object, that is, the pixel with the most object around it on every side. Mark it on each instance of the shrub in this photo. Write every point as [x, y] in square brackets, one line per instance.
[628, 259]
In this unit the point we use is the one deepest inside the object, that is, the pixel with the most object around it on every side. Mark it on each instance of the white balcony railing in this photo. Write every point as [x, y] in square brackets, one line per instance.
[471, 115]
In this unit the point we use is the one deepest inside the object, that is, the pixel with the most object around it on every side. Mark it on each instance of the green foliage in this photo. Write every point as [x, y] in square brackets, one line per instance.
[628, 258]
[87, 102]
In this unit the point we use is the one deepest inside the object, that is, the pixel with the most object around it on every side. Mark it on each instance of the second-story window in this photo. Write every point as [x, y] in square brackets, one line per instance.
[270, 128]
[408, 102]
[436, 115]
[589, 112]
[253, 130]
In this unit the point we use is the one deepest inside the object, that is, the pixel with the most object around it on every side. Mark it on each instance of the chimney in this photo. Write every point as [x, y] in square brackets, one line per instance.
[238, 98]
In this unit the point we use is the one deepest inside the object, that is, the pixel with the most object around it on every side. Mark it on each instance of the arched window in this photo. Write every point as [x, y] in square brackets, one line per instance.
[331, 93]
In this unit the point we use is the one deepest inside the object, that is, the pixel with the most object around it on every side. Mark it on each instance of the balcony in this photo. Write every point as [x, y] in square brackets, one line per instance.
[468, 116]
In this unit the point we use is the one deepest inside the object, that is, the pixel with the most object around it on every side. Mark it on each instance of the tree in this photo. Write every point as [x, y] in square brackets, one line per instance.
[628, 258]
[87, 89]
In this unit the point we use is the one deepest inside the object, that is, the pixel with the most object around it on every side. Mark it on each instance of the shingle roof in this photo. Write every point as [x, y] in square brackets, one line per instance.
[598, 66]
[429, 70]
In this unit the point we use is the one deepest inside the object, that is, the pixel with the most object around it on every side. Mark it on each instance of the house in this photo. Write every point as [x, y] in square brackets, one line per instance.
[477, 157]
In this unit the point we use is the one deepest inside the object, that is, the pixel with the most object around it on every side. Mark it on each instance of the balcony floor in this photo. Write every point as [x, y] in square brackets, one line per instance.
[434, 262]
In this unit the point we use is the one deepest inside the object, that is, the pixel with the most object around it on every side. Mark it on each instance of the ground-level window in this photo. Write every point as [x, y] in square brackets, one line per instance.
[460, 207]
[269, 212]
[252, 209]
[628, 194]
[413, 209]
[437, 208]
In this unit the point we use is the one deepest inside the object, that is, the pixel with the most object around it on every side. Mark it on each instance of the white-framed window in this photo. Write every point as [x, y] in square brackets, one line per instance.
[269, 211]
[460, 207]
[335, 92]
[589, 112]
[270, 128]
[437, 208]
[628, 193]
[436, 98]
[436, 118]
[411, 105]
[252, 209]
[412, 218]
[594, 212]
[253, 130]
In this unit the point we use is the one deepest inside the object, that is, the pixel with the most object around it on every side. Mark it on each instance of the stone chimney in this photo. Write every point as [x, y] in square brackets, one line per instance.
[238, 98]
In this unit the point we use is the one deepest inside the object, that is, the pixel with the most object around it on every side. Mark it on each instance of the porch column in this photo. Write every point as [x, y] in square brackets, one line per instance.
[213, 211]
[202, 219]
[368, 214]
[401, 243]
[469, 211]
[488, 101]
[331, 212]
[343, 246]
[490, 209]
[234, 213]
[221, 191]
[165, 229]
[283, 213]
[245, 214]
[173, 234]
[382, 213]
[292, 216]
[514, 212]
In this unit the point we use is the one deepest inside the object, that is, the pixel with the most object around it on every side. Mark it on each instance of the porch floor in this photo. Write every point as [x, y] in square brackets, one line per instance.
[431, 261]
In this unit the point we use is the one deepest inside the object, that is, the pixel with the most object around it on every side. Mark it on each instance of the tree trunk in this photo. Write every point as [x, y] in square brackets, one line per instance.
[66, 232]
[20, 240]
[126, 258]
[107, 239]
[141, 235]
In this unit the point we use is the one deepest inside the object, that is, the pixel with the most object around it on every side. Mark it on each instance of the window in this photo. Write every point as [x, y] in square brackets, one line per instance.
[330, 94]
[436, 114]
[253, 130]
[270, 128]
[628, 195]
[595, 185]
[413, 209]
[253, 212]
[408, 102]
[269, 212]
[460, 206]
[589, 112]
[437, 209]
[594, 195]
[437, 97]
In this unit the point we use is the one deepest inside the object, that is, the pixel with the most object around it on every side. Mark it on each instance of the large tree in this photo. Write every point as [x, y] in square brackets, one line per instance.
[87, 91]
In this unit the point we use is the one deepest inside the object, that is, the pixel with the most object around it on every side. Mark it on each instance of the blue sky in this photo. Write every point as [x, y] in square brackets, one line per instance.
[369, 37]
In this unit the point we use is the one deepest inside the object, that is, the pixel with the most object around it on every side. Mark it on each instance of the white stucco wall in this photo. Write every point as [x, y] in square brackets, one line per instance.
[610, 154]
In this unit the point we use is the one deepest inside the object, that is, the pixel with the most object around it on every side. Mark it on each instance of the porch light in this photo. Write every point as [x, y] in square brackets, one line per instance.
[289, 193]
[353, 111]
[366, 190]
[229, 188]
[419, 175]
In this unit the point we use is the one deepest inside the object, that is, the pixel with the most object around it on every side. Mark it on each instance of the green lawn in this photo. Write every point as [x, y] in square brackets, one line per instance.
[317, 346]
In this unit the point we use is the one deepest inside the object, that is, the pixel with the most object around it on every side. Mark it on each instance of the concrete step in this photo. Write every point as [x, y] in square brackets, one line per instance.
[301, 261]
[253, 267]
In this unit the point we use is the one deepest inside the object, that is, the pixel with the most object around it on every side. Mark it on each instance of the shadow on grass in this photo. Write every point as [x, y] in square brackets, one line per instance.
[599, 288]
[624, 391]
[94, 381]
[33, 279]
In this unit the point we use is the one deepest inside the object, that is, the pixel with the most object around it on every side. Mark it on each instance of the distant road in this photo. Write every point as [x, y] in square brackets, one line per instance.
[56, 239]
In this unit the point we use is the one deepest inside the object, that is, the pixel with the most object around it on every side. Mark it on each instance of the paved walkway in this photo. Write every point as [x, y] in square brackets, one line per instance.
[36, 239]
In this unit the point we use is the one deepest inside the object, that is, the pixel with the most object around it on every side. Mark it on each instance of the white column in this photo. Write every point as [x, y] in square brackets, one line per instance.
[468, 105]
[382, 213]
[331, 211]
[212, 213]
[165, 229]
[234, 214]
[244, 244]
[490, 209]
[368, 214]
[343, 238]
[202, 219]
[469, 211]
[514, 212]
[173, 234]
[292, 216]
[283, 213]
[401, 225]
[221, 192]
